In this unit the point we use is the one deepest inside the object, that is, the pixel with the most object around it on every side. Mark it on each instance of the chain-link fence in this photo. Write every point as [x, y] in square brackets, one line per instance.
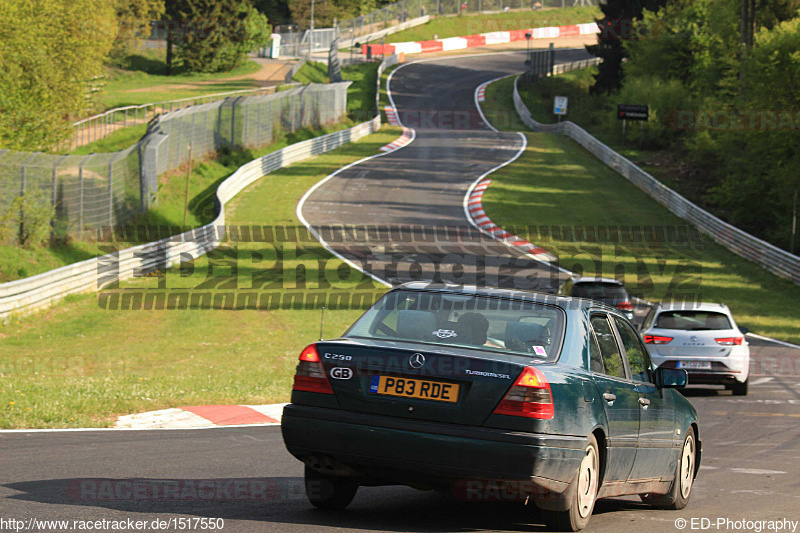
[246, 121]
[99, 126]
[92, 191]
[296, 44]
[86, 190]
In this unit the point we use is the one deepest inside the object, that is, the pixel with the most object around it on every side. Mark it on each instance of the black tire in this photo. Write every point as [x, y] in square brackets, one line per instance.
[681, 490]
[329, 492]
[577, 516]
[739, 389]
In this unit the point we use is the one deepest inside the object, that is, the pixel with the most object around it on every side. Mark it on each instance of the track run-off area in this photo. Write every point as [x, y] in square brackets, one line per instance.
[244, 475]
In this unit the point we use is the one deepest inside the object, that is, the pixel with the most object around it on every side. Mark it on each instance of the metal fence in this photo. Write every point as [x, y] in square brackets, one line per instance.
[296, 44]
[100, 126]
[37, 292]
[770, 257]
[97, 190]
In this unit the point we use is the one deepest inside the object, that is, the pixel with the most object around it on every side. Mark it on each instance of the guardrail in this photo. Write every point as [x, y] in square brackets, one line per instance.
[772, 258]
[36, 292]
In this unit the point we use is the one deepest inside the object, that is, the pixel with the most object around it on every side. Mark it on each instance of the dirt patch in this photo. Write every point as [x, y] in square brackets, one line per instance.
[272, 72]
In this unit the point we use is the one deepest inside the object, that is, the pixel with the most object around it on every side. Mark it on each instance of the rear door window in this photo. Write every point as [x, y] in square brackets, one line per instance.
[609, 350]
[638, 359]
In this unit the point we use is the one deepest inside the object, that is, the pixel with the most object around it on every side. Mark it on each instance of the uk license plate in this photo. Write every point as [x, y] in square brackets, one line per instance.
[695, 365]
[421, 389]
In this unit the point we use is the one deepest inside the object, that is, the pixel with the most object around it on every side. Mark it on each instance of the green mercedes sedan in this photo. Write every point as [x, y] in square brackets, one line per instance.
[492, 393]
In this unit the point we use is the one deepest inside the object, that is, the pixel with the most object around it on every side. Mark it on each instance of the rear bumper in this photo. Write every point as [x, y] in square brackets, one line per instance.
[388, 450]
[720, 373]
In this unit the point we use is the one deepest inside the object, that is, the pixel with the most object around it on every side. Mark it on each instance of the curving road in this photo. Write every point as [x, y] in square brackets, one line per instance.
[244, 475]
[421, 187]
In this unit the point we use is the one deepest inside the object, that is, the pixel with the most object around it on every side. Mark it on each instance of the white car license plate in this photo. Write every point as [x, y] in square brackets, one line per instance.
[695, 365]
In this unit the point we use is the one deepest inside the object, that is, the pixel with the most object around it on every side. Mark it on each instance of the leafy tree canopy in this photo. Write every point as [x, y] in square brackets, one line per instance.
[215, 35]
[51, 52]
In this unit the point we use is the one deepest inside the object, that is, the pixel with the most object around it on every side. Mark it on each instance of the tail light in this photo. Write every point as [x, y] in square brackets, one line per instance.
[530, 396]
[656, 339]
[625, 306]
[730, 341]
[310, 374]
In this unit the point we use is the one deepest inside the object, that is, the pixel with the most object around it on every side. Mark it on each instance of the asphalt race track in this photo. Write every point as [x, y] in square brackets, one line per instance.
[422, 186]
[244, 476]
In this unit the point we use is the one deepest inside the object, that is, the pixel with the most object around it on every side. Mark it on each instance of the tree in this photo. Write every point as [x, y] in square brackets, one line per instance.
[276, 11]
[133, 23]
[760, 156]
[324, 13]
[616, 26]
[51, 52]
[213, 35]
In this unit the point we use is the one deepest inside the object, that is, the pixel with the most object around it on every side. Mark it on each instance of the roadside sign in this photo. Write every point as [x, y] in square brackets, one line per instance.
[632, 112]
[560, 105]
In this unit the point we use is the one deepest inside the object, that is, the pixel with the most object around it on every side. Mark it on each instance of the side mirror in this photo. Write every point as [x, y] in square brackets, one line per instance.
[671, 378]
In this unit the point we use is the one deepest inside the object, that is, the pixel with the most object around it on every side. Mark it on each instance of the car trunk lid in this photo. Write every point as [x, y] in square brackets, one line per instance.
[413, 380]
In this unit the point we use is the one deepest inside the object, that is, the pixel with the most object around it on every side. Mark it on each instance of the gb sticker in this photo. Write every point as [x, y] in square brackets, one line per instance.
[341, 372]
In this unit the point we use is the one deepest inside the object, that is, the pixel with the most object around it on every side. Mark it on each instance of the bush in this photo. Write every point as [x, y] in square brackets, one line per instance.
[27, 221]
[666, 99]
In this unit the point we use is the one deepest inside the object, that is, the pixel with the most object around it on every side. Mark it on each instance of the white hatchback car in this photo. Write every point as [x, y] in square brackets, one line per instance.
[701, 338]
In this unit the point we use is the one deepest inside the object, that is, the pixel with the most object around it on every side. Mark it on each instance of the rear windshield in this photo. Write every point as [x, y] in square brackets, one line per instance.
[692, 320]
[598, 290]
[486, 323]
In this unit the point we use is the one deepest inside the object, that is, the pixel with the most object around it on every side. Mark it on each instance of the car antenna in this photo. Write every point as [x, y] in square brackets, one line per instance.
[321, 322]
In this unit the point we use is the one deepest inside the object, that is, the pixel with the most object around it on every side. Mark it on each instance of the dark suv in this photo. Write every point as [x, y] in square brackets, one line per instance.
[606, 290]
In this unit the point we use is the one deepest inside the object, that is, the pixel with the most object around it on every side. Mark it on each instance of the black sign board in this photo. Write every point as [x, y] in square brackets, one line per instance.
[632, 112]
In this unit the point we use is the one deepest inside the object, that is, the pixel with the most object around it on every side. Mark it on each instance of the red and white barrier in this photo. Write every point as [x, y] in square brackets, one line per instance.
[481, 39]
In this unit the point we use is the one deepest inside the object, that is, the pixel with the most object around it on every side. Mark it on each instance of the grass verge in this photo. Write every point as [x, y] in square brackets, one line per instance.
[143, 80]
[80, 365]
[557, 184]
[459, 26]
[360, 94]
[119, 140]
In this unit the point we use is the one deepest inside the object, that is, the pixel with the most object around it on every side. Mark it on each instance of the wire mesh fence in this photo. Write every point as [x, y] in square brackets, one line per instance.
[99, 126]
[105, 189]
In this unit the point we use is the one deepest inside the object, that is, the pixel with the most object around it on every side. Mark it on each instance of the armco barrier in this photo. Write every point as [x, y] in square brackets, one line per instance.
[739, 242]
[36, 292]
